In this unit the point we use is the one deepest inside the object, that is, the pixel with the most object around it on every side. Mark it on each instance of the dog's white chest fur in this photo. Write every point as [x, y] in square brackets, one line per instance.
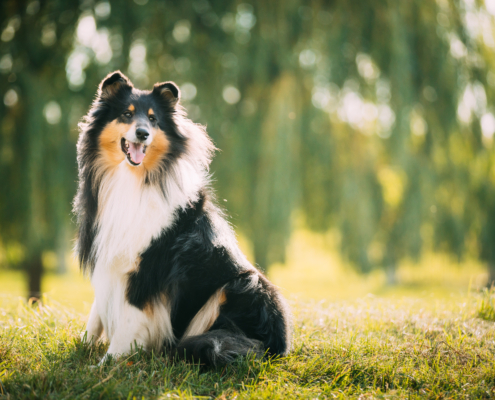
[130, 215]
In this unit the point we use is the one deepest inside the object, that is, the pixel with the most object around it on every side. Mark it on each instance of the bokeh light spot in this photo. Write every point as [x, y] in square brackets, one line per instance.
[231, 94]
[10, 99]
[52, 112]
[188, 91]
[182, 31]
[103, 10]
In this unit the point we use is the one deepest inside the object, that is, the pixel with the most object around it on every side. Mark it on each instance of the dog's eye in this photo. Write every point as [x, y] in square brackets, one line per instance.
[152, 118]
[128, 114]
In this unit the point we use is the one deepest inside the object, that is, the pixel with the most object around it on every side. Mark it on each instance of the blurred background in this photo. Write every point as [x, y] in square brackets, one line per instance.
[356, 137]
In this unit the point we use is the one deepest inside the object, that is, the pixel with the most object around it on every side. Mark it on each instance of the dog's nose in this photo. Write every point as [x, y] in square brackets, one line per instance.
[142, 134]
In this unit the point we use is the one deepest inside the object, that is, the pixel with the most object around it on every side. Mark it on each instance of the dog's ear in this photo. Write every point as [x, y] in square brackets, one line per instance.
[112, 83]
[168, 91]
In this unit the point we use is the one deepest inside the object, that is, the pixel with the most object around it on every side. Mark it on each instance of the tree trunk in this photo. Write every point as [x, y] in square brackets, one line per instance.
[35, 271]
[62, 241]
[261, 254]
[36, 152]
[491, 274]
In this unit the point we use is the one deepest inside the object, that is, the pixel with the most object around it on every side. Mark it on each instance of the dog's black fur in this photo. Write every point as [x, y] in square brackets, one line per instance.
[189, 267]
[194, 257]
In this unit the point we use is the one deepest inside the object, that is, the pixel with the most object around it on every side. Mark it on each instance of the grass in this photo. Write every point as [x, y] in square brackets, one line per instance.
[370, 347]
[314, 270]
[487, 305]
[431, 336]
[70, 289]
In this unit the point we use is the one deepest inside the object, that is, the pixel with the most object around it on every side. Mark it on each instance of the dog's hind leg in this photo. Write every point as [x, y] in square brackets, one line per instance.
[252, 318]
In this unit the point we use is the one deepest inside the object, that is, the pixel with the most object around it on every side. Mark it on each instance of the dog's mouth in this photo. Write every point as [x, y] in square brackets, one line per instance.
[134, 152]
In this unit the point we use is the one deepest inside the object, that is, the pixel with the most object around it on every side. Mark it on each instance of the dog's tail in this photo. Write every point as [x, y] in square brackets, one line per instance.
[218, 347]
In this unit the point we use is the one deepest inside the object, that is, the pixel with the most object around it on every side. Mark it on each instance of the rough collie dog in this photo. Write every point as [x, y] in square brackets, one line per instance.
[164, 263]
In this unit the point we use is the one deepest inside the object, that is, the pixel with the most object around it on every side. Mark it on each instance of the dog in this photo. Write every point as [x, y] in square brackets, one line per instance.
[164, 263]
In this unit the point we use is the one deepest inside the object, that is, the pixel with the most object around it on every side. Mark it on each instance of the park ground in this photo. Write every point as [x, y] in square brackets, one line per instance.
[430, 336]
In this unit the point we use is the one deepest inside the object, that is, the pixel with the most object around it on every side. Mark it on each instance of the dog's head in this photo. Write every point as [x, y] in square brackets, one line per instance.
[146, 133]
[138, 126]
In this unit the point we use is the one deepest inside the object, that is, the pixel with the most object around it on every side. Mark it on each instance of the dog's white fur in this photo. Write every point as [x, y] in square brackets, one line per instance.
[130, 215]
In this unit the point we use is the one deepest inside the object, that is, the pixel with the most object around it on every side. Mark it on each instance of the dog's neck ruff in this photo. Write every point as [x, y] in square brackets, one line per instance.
[131, 213]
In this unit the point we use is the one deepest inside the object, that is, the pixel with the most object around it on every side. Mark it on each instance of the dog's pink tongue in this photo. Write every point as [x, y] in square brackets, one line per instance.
[136, 151]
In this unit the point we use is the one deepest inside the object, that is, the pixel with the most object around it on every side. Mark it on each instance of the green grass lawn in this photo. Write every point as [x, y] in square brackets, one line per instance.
[371, 347]
[430, 336]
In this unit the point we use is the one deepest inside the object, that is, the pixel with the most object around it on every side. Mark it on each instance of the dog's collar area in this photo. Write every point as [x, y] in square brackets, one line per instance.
[134, 152]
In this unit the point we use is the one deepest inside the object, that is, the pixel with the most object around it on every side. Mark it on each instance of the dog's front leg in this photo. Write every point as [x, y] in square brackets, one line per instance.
[94, 328]
[130, 333]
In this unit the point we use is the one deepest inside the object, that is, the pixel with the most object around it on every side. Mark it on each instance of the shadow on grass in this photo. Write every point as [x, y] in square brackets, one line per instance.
[76, 374]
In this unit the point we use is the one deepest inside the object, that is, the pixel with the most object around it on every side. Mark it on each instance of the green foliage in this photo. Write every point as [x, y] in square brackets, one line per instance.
[370, 347]
[486, 308]
[374, 118]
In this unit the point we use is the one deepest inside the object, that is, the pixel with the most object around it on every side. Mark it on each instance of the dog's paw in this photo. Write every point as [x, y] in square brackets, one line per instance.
[86, 338]
[107, 359]
[90, 339]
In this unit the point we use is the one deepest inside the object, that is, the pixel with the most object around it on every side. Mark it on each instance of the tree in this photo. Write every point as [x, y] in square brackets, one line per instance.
[373, 118]
[38, 154]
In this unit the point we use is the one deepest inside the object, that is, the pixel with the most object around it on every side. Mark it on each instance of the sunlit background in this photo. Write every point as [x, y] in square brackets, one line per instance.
[356, 138]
